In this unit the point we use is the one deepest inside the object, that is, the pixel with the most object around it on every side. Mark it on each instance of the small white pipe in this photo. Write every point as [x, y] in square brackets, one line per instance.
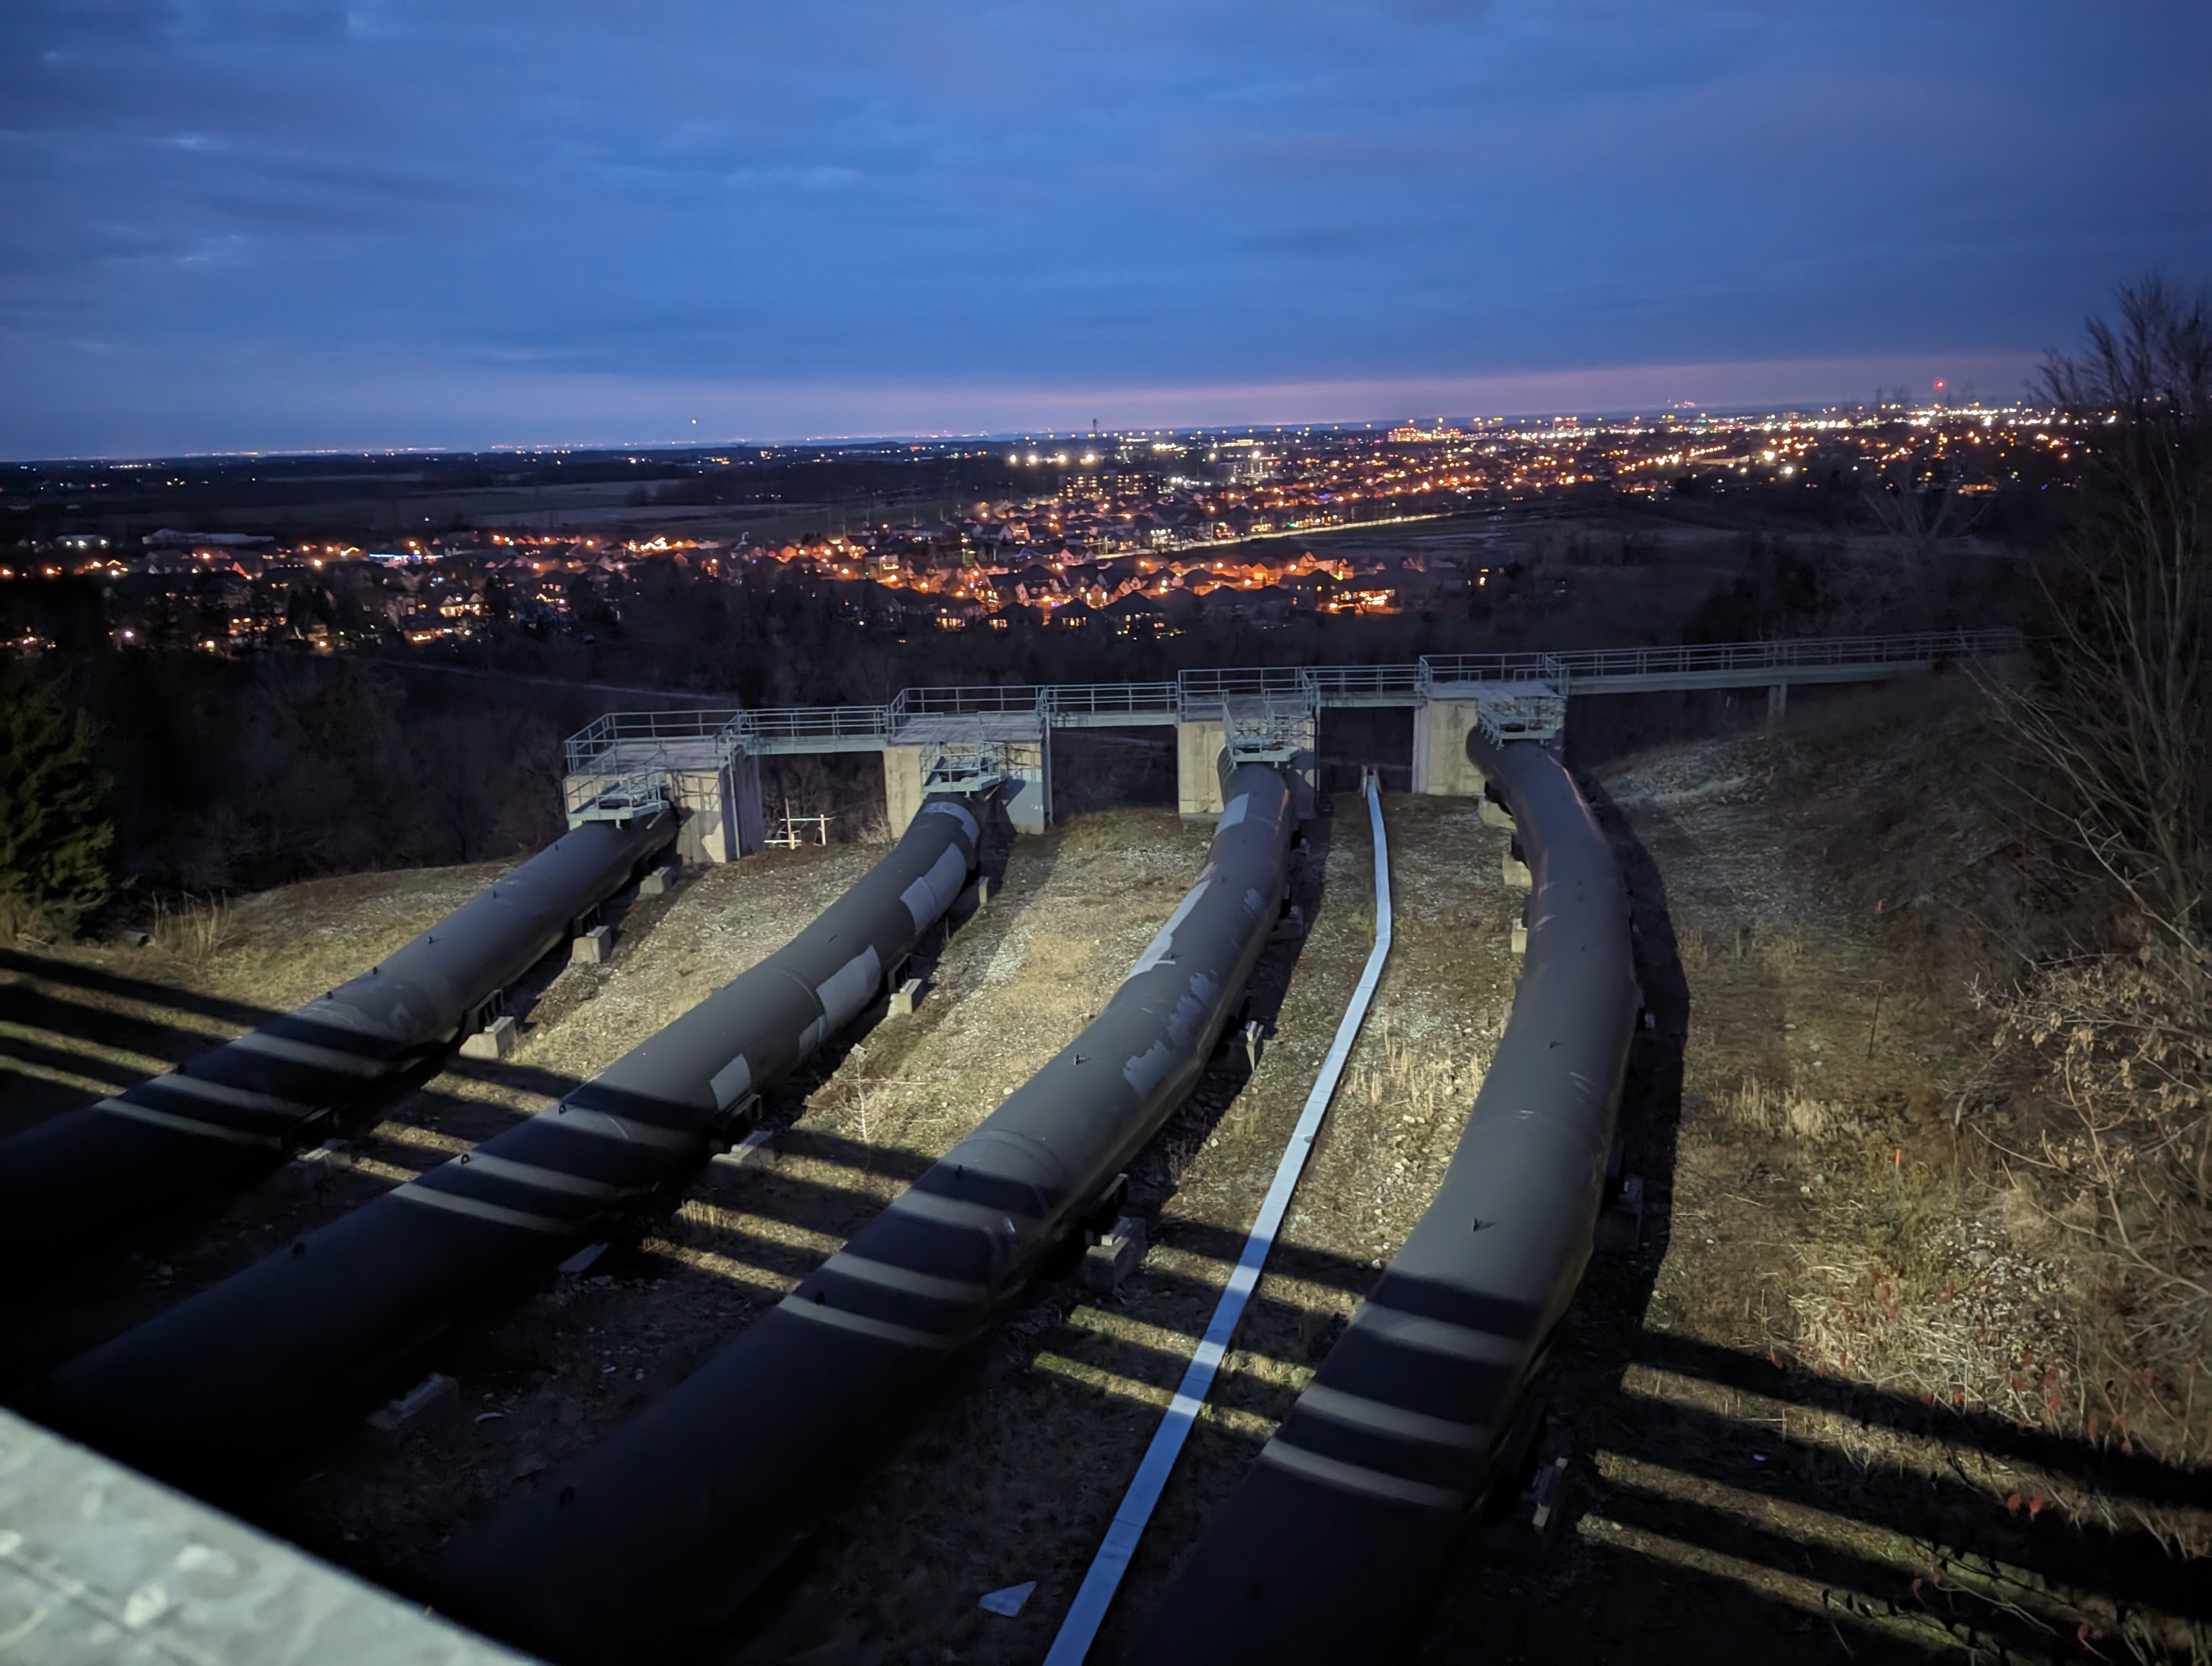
[1088, 1612]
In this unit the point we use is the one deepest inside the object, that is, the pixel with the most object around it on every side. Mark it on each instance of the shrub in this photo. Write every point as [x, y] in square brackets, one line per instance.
[55, 832]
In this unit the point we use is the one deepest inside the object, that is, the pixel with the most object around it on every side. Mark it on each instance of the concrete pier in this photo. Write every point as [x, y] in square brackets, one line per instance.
[1441, 766]
[713, 789]
[1199, 746]
[1015, 746]
[707, 763]
[742, 811]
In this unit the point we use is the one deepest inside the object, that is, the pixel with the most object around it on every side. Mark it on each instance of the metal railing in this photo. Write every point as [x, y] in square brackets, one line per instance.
[965, 700]
[630, 742]
[963, 767]
[773, 724]
[1274, 728]
[1217, 684]
[1365, 685]
[1066, 701]
[1201, 695]
[787, 835]
[1522, 711]
[1488, 668]
[628, 729]
[1785, 653]
[614, 796]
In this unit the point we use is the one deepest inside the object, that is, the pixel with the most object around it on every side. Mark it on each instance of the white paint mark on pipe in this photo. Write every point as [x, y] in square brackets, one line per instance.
[1162, 943]
[959, 812]
[730, 1083]
[929, 896]
[849, 989]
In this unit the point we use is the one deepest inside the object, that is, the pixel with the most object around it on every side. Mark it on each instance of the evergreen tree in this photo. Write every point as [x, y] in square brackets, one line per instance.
[55, 830]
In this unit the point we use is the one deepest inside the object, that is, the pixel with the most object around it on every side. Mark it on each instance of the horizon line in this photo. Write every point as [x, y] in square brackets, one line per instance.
[1732, 388]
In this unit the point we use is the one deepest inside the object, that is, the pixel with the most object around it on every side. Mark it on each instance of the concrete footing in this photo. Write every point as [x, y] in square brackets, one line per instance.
[1620, 1228]
[757, 1148]
[420, 1405]
[495, 1040]
[592, 948]
[1108, 1263]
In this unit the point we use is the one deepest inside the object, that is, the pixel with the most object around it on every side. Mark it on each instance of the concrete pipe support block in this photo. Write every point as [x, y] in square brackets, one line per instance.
[495, 1041]
[1108, 1263]
[592, 948]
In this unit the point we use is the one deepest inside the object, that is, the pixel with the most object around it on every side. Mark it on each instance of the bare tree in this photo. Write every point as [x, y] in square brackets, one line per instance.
[1919, 513]
[2120, 712]
[2116, 727]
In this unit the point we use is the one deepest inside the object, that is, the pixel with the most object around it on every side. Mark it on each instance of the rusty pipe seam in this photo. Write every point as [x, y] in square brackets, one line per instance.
[659, 1534]
[1332, 1544]
[255, 1369]
[224, 1117]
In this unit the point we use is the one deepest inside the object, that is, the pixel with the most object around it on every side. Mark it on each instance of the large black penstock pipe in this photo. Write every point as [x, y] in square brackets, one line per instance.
[659, 1534]
[1329, 1548]
[253, 1370]
[224, 1119]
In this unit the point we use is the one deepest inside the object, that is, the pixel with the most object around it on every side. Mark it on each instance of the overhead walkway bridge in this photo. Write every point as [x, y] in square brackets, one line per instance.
[706, 763]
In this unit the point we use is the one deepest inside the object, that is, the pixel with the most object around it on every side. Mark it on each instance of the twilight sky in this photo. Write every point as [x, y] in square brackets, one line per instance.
[230, 224]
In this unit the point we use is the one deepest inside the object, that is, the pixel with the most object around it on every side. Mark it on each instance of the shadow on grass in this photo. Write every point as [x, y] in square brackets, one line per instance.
[1725, 1504]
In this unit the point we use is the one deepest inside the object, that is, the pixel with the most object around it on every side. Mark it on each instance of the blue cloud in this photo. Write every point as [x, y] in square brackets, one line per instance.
[252, 222]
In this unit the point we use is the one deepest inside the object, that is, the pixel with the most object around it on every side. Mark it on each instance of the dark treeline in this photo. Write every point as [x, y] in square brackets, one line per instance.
[234, 776]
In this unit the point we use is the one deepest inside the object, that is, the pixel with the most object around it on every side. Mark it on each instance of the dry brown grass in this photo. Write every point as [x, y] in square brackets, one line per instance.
[2117, 1049]
[1780, 948]
[1993, 1207]
[1961, 1314]
[1393, 1075]
[1015, 1475]
[193, 930]
[1786, 1113]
